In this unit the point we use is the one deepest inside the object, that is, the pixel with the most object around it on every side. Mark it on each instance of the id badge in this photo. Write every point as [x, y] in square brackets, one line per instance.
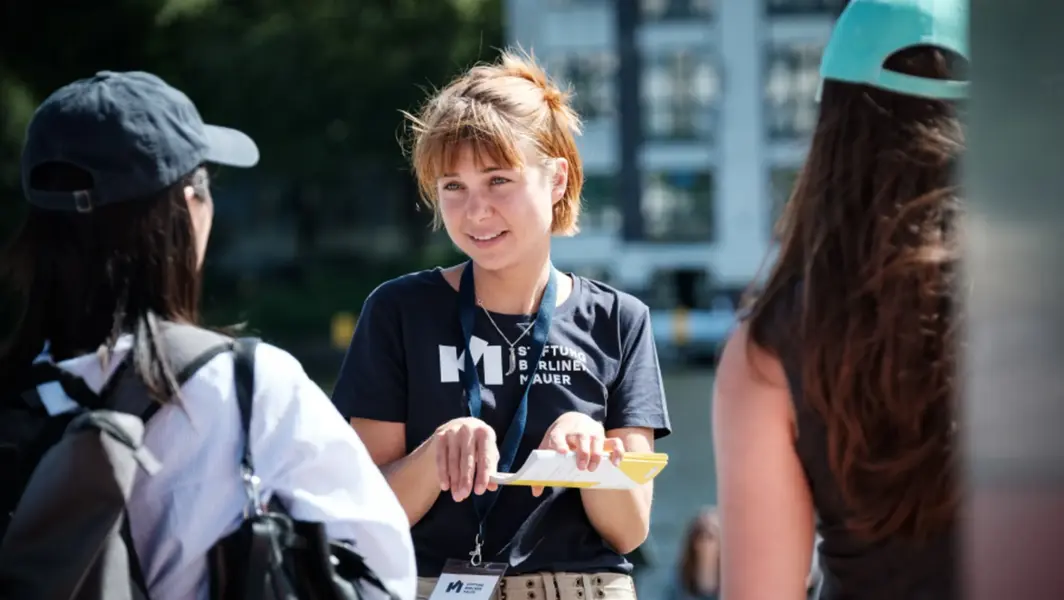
[461, 580]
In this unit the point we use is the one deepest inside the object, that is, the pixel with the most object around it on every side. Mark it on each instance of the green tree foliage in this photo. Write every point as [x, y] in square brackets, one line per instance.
[322, 81]
[318, 83]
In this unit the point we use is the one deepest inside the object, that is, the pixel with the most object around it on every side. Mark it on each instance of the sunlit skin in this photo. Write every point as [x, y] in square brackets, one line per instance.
[766, 506]
[500, 215]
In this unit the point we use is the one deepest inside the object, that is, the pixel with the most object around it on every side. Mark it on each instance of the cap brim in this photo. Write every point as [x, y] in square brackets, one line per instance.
[230, 147]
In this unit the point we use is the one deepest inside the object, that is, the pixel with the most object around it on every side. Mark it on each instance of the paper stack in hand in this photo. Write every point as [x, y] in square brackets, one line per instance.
[549, 468]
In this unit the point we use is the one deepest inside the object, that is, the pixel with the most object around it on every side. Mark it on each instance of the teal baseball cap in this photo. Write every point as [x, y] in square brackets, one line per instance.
[868, 32]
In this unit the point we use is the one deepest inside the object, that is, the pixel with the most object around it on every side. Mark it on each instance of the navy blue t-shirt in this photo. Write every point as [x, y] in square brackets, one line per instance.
[403, 367]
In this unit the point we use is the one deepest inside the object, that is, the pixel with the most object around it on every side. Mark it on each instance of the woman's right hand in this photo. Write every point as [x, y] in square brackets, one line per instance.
[466, 456]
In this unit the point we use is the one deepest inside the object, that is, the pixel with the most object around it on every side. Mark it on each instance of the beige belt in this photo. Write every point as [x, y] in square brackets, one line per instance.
[553, 586]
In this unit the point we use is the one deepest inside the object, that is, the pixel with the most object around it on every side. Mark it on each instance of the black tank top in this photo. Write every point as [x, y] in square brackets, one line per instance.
[891, 569]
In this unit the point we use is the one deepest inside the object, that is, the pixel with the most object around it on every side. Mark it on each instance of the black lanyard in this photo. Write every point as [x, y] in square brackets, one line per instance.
[467, 310]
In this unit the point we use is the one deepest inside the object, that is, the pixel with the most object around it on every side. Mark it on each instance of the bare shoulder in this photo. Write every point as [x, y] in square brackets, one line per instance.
[751, 382]
[744, 359]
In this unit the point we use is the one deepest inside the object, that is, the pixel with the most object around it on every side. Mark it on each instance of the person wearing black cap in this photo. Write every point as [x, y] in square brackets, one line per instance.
[107, 259]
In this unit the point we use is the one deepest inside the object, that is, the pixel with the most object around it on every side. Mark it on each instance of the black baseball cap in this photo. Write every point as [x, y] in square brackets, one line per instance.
[132, 132]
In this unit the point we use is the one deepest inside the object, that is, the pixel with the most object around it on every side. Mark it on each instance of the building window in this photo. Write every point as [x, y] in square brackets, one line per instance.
[681, 95]
[667, 10]
[781, 184]
[592, 77]
[600, 210]
[805, 7]
[677, 206]
[790, 89]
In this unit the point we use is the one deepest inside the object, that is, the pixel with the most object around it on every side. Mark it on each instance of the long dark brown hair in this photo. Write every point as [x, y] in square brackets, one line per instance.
[86, 279]
[867, 268]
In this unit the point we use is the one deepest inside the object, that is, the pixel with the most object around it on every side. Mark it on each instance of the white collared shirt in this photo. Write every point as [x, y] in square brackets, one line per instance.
[303, 451]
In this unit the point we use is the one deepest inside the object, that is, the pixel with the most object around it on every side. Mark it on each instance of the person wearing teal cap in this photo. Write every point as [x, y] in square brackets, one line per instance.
[834, 404]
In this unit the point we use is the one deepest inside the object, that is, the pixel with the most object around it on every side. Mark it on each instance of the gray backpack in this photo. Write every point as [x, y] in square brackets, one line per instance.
[65, 479]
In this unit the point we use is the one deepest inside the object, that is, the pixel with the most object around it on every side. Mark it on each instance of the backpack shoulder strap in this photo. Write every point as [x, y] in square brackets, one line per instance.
[136, 571]
[244, 378]
[187, 349]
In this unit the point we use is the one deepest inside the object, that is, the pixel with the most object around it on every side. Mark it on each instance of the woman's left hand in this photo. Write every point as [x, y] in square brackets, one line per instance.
[579, 433]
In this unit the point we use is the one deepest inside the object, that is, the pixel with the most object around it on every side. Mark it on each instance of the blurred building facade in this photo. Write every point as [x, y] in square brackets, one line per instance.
[696, 116]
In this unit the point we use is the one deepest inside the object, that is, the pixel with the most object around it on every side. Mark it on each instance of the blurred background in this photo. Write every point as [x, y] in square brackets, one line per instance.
[697, 114]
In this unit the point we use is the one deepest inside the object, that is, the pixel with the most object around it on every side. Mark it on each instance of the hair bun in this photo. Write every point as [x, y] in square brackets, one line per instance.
[555, 98]
[525, 67]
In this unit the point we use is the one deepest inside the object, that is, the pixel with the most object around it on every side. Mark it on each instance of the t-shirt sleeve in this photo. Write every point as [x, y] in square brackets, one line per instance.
[637, 396]
[372, 381]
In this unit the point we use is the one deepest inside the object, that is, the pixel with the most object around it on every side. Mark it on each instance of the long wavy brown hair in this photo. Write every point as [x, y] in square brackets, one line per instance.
[866, 270]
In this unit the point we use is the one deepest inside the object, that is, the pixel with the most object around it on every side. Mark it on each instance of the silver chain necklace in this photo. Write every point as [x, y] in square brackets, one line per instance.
[513, 353]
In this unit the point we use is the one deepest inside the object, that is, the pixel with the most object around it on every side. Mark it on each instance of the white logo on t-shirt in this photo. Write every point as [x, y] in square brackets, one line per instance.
[451, 362]
[556, 366]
